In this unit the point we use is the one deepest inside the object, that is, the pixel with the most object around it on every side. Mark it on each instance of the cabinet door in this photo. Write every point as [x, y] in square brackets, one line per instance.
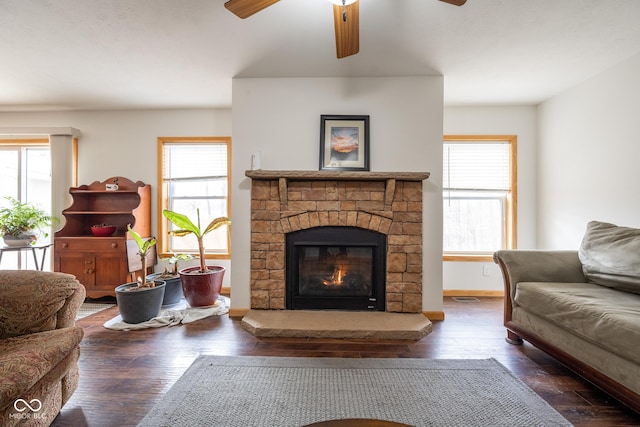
[111, 270]
[80, 265]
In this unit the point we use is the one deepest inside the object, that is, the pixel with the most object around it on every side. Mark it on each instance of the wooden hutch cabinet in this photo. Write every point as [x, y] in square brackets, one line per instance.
[101, 263]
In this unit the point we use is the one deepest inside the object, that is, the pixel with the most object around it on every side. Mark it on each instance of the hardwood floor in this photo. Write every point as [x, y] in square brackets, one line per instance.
[123, 374]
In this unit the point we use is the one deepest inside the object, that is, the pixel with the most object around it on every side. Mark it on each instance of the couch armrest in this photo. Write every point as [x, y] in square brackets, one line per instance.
[67, 314]
[538, 266]
[37, 301]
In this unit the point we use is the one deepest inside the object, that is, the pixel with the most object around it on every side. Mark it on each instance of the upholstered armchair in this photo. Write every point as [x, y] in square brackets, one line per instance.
[39, 344]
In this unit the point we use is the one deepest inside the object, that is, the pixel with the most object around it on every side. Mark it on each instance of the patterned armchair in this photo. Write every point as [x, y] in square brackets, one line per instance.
[39, 345]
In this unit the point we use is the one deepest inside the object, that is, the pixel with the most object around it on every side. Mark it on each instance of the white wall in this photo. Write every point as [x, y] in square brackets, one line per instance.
[589, 153]
[520, 121]
[124, 143]
[579, 163]
[281, 118]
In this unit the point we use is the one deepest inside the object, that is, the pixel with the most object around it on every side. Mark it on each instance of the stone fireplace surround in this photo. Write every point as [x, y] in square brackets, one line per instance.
[386, 202]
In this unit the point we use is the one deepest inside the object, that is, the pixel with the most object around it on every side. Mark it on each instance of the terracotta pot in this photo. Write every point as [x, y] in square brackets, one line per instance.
[202, 289]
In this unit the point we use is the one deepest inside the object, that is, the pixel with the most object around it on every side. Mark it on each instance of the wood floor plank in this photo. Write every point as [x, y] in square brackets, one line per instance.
[123, 374]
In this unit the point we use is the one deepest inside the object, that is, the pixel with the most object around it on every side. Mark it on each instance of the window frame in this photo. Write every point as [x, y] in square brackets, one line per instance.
[23, 259]
[20, 144]
[511, 214]
[163, 223]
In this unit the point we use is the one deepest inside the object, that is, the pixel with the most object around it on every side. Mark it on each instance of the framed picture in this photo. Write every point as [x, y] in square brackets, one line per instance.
[344, 143]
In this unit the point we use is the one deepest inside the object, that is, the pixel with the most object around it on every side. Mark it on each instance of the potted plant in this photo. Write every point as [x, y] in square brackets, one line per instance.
[141, 300]
[21, 222]
[201, 285]
[173, 288]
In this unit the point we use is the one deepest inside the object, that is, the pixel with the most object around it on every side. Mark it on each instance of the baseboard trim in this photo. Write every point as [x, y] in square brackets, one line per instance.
[472, 293]
[434, 315]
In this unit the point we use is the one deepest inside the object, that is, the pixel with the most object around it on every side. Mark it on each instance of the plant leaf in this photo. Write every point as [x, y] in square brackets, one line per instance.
[180, 232]
[143, 245]
[148, 244]
[217, 223]
[181, 221]
[135, 236]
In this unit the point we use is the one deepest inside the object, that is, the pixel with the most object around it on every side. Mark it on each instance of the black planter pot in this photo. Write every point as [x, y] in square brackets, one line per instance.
[140, 305]
[173, 289]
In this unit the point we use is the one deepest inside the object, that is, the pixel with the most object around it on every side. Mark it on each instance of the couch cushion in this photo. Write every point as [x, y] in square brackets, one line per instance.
[610, 256]
[606, 317]
[26, 359]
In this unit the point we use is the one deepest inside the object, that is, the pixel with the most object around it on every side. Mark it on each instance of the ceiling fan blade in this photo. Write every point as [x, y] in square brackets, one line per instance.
[347, 23]
[455, 2]
[245, 8]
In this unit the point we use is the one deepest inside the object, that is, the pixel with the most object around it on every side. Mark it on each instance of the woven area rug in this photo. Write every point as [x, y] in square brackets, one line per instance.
[89, 308]
[288, 391]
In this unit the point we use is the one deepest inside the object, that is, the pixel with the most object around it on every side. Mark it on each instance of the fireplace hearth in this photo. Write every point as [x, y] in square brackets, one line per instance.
[335, 268]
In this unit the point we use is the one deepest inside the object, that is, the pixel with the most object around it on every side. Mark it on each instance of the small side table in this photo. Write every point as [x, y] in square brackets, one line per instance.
[33, 248]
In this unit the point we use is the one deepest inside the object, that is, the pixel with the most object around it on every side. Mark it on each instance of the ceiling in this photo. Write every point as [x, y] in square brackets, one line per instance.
[124, 54]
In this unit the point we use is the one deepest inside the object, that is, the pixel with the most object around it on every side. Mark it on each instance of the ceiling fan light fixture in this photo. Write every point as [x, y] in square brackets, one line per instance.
[346, 2]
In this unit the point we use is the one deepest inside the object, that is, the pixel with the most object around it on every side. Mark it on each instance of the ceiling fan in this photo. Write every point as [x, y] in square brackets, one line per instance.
[345, 17]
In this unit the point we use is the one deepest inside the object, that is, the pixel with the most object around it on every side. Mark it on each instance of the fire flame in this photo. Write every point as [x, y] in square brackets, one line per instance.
[335, 279]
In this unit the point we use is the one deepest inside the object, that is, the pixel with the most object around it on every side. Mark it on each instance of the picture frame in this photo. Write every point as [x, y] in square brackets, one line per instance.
[344, 143]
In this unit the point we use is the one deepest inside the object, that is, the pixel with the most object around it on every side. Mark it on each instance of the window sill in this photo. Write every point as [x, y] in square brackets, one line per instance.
[468, 257]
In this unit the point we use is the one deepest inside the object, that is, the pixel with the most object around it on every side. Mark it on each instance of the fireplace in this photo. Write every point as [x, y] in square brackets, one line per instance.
[381, 212]
[337, 268]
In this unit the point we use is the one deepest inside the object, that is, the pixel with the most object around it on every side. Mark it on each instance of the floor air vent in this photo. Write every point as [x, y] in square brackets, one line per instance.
[466, 299]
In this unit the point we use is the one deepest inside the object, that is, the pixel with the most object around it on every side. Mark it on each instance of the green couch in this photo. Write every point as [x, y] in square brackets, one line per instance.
[581, 307]
[39, 345]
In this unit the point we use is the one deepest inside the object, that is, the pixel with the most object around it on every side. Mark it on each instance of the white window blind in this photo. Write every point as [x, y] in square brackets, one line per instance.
[195, 161]
[477, 166]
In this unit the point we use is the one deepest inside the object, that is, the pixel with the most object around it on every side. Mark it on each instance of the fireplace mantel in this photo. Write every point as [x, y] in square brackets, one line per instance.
[285, 176]
[337, 175]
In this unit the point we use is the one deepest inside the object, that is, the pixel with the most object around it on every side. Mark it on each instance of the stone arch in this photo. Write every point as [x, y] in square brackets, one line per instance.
[373, 221]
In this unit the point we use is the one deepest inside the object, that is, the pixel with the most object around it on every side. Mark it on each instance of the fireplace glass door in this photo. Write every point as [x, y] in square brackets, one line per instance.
[336, 268]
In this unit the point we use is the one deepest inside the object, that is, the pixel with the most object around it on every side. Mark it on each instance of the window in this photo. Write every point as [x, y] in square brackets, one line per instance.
[194, 174]
[25, 176]
[479, 194]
